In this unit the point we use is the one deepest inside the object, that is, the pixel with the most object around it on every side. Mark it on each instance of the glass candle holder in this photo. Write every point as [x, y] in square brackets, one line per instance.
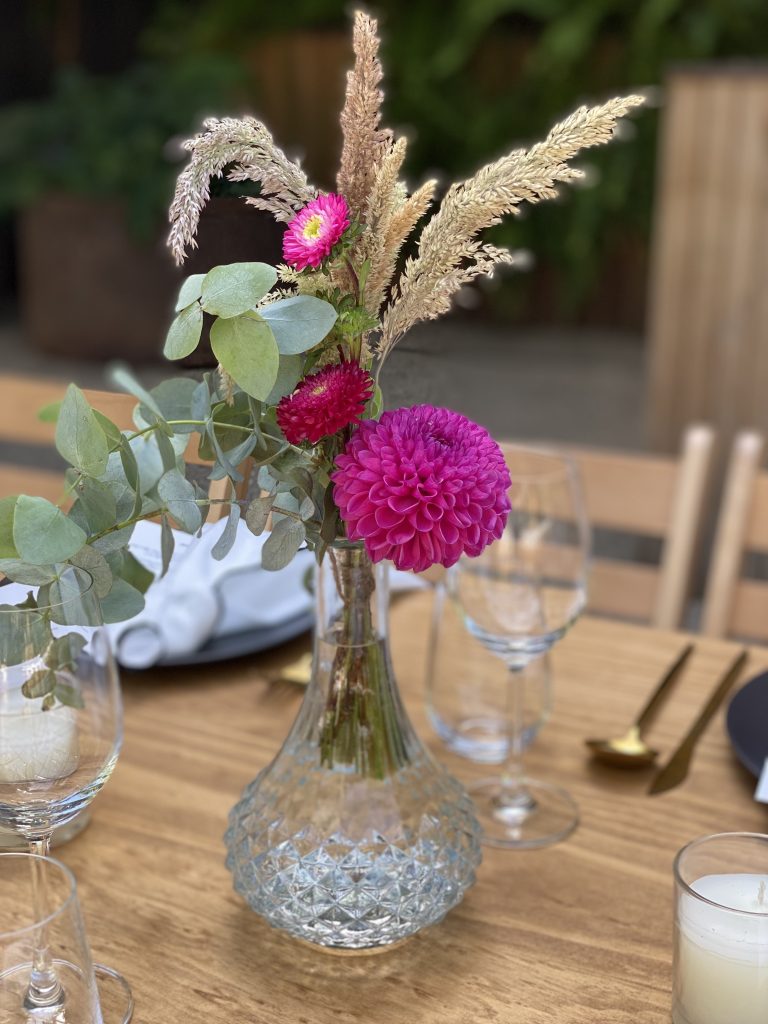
[721, 930]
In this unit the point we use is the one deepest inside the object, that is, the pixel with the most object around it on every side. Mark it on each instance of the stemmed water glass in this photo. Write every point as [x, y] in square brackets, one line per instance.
[60, 732]
[23, 927]
[519, 597]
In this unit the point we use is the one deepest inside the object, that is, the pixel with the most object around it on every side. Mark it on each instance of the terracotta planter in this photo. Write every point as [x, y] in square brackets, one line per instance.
[89, 289]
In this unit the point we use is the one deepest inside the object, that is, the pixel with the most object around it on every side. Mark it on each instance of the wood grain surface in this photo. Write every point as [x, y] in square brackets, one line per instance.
[576, 934]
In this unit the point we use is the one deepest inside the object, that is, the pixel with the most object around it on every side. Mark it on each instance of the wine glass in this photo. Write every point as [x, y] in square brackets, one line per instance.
[60, 730]
[467, 689]
[518, 598]
[23, 930]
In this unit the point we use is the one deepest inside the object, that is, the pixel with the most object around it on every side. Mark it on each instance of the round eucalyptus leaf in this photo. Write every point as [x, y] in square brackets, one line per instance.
[190, 291]
[299, 322]
[257, 514]
[174, 398]
[224, 544]
[288, 376]
[122, 602]
[184, 333]
[7, 511]
[232, 289]
[178, 496]
[79, 437]
[43, 534]
[31, 575]
[282, 544]
[247, 350]
[97, 504]
[96, 565]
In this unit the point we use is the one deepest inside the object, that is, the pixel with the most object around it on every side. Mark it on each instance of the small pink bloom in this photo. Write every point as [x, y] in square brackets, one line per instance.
[325, 402]
[315, 230]
[422, 486]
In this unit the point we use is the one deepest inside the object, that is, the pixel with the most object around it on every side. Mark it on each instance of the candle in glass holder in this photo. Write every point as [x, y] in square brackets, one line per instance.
[721, 940]
[36, 744]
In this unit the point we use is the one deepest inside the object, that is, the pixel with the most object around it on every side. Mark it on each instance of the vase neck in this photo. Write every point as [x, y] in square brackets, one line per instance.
[352, 597]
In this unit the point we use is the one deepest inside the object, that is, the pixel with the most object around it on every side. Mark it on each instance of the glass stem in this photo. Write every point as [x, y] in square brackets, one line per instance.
[514, 799]
[44, 990]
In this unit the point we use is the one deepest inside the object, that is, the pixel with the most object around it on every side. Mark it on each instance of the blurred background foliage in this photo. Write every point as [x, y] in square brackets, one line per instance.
[111, 137]
[465, 79]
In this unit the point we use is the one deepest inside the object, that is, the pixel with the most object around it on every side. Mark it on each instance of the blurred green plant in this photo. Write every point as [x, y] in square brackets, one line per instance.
[468, 75]
[112, 137]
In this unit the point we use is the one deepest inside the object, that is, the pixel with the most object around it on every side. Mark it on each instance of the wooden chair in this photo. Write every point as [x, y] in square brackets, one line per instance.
[734, 603]
[646, 496]
[21, 398]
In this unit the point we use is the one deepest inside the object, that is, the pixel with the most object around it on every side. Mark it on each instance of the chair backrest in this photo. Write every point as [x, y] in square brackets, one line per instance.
[21, 398]
[734, 603]
[646, 496]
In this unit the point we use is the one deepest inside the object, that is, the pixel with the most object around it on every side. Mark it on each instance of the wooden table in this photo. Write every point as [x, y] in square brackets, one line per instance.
[580, 932]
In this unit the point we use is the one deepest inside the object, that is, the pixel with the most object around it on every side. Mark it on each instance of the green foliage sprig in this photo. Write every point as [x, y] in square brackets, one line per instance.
[108, 137]
[119, 477]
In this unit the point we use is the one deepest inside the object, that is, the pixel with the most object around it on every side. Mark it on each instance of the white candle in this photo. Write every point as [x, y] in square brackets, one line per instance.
[722, 956]
[35, 745]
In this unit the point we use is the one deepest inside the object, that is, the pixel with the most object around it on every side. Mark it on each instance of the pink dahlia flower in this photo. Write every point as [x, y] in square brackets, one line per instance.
[325, 402]
[422, 486]
[315, 230]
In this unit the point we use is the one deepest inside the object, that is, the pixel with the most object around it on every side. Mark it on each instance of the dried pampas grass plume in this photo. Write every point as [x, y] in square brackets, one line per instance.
[395, 230]
[364, 142]
[449, 254]
[250, 147]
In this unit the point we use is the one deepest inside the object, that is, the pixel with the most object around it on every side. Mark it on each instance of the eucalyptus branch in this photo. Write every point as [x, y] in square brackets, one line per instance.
[162, 510]
[186, 423]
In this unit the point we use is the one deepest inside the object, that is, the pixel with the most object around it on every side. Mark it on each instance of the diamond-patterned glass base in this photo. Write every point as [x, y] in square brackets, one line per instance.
[352, 863]
[354, 837]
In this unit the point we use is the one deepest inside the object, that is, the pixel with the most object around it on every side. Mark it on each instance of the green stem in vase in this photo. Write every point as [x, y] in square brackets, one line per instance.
[359, 727]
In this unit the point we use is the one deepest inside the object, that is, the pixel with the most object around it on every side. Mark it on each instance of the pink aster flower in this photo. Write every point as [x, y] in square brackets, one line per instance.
[422, 486]
[325, 402]
[315, 230]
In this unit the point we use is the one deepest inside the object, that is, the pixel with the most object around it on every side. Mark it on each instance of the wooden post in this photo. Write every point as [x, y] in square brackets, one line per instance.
[708, 312]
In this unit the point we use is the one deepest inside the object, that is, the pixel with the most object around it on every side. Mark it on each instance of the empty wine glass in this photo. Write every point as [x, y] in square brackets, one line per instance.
[25, 928]
[60, 728]
[467, 689]
[518, 598]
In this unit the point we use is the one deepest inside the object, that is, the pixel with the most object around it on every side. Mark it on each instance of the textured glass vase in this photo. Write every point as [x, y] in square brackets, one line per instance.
[354, 836]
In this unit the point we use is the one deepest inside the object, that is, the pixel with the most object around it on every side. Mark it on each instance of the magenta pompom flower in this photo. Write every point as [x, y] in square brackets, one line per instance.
[422, 486]
[315, 230]
[325, 402]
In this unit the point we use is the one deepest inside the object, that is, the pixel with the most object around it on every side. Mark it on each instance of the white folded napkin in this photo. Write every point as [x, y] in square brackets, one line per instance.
[200, 598]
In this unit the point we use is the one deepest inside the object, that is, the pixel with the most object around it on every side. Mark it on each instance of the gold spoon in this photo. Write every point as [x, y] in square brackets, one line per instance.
[630, 750]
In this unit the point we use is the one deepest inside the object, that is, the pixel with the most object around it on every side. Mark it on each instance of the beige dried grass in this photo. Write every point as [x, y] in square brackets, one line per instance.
[449, 254]
[248, 145]
[365, 143]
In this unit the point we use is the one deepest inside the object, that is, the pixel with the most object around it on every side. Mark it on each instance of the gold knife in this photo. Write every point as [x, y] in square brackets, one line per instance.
[676, 768]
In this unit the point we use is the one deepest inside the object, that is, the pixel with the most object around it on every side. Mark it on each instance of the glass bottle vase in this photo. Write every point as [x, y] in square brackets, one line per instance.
[354, 836]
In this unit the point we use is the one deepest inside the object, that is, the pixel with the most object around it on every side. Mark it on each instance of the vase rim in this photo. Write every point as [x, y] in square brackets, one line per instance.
[344, 544]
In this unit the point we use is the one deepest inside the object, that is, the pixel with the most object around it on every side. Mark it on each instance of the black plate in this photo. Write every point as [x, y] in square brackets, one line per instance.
[747, 723]
[238, 645]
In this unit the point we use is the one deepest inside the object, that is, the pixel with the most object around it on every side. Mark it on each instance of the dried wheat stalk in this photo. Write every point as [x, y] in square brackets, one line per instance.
[449, 254]
[364, 142]
[393, 234]
[247, 144]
